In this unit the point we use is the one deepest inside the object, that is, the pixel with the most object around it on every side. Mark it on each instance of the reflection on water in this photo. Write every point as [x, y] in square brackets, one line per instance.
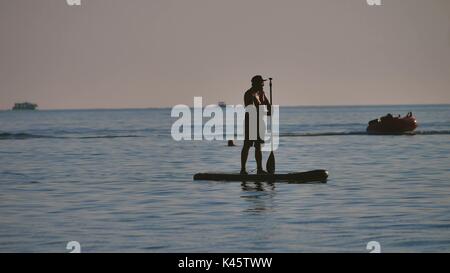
[259, 196]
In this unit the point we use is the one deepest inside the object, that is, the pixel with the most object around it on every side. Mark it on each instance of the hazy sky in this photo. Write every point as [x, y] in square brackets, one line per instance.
[155, 53]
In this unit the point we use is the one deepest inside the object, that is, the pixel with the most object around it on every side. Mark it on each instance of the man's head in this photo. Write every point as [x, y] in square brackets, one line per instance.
[258, 82]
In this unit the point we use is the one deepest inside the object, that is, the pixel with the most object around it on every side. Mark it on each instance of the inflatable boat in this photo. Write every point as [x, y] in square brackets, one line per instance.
[392, 125]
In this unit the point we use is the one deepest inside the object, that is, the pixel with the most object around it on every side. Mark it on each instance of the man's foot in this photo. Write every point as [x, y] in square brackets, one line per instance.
[243, 172]
[261, 172]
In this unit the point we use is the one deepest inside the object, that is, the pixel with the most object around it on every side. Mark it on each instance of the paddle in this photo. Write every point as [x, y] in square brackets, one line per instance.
[270, 165]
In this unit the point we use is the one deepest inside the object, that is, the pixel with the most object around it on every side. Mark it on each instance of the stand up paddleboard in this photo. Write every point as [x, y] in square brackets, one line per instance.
[303, 177]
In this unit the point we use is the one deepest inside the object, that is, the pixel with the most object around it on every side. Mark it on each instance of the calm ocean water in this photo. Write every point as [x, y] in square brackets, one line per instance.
[115, 181]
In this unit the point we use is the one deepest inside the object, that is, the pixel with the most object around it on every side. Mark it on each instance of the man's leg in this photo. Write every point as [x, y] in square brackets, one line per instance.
[244, 156]
[258, 157]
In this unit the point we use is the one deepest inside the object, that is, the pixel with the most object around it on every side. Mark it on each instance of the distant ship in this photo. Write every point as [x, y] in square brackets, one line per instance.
[25, 106]
[222, 104]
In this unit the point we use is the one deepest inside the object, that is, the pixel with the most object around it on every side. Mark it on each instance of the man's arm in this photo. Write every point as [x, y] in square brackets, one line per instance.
[248, 98]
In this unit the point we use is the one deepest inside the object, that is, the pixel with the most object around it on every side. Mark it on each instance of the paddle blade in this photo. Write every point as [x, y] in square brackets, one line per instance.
[270, 165]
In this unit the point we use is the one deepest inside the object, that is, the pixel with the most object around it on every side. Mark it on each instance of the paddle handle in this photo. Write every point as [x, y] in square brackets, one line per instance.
[271, 115]
[270, 84]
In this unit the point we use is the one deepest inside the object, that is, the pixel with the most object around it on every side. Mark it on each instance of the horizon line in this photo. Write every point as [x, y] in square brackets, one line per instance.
[284, 106]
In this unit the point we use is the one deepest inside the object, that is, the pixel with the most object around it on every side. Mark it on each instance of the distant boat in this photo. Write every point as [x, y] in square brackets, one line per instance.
[25, 106]
[222, 104]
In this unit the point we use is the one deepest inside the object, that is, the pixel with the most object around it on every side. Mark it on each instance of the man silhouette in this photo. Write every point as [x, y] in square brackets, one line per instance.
[254, 96]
